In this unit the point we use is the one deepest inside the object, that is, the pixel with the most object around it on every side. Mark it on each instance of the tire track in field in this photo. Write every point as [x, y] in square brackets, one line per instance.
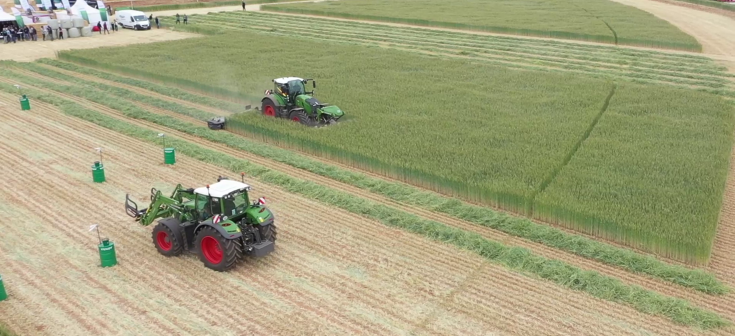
[722, 305]
[420, 248]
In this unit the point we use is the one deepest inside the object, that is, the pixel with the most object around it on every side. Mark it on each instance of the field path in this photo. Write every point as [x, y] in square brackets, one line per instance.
[364, 279]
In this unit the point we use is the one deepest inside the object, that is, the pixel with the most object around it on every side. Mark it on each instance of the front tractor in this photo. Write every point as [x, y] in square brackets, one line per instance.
[218, 222]
[289, 99]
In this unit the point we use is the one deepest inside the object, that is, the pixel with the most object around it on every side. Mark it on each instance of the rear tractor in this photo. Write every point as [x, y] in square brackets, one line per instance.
[289, 99]
[217, 222]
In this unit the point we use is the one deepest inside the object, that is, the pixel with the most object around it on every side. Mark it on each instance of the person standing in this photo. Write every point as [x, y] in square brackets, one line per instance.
[61, 33]
[243, 4]
[26, 33]
[158, 25]
[99, 27]
[186, 19]
[34, 34]
[105, 27]
[178, 20]
[43, 32]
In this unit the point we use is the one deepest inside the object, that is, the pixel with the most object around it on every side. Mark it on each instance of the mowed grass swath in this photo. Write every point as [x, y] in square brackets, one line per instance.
[493, 135]
[652, 173]
[595, 61]
[595, 20]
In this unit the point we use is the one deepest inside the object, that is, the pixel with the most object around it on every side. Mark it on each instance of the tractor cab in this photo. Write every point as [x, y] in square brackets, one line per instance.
[226, 198]
[291, 87]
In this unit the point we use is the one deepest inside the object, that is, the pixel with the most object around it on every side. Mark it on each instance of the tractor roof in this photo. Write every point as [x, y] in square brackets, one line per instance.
[222, 188]
[285, 80]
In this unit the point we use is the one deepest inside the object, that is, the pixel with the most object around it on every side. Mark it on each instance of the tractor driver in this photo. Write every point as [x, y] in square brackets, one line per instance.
[283, 89]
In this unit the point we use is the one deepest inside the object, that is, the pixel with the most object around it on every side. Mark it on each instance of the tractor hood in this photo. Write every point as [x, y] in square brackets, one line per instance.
[332, 110]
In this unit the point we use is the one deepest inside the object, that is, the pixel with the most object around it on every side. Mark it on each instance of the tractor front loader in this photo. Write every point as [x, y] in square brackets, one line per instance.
[218, 222]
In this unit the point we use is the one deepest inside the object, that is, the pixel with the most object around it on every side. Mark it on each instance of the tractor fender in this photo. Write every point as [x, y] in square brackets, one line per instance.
[273, 99]
[174, 225]
[219, 229]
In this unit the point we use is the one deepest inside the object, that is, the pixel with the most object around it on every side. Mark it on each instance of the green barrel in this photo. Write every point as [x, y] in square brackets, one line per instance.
[169, 156]
[98, 172]
[107, 253]
[25, 104]
[3, 294]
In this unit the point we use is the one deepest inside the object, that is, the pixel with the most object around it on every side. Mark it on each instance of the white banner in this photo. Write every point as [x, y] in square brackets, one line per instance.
[46, 4]
[25, 5]
[66, 4]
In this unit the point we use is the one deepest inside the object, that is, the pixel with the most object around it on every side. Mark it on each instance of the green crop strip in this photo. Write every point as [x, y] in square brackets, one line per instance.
[197, 5]
[4, 331]
[519, 227]
[513, 258]
[690, 46]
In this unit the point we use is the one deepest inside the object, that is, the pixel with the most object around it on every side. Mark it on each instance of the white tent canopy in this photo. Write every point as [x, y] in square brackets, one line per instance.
[93, 14]
[6, 17]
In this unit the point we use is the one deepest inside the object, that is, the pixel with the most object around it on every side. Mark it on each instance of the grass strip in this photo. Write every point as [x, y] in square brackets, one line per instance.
[514, 258]
[4, 331]
[155, 8]
[502, 30]
[164, 90]
[711, 3]
[516, 226]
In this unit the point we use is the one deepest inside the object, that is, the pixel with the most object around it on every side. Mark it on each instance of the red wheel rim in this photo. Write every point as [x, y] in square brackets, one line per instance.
[211, 250]
[296, 119]
[163, 241]
[269, 111]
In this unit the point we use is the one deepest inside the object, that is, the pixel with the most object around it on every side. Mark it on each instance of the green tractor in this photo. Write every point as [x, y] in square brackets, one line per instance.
[218, 222]
[289, 99]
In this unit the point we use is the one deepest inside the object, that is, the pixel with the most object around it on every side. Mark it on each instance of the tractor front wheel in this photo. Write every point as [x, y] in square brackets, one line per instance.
[269, 109]
[166, 242]
[215, 251]
[300, 116]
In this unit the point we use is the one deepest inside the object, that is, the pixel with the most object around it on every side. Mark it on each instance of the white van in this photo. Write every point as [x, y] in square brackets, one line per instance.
[132, 19]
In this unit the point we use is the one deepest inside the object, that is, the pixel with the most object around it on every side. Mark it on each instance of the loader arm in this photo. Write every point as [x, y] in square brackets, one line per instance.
[160, 207]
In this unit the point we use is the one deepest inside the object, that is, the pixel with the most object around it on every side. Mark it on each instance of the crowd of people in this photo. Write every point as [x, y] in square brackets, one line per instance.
[14, 34]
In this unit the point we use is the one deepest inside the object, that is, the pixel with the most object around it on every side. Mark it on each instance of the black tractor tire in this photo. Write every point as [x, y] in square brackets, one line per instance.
[301, 117]
[166, 242]
[268, 232]
[269, 108]
[215, 251]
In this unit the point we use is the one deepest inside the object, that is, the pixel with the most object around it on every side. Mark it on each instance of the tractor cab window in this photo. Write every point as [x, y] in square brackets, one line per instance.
[234, 203]
[295, 88]
[208, 207]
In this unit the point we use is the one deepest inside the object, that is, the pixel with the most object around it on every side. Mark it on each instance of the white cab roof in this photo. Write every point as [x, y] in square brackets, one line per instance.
[222, 188]
[285, 80]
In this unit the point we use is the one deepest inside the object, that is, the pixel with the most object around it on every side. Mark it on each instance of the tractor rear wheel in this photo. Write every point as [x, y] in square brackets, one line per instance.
[166, 242]
[269, 109]
[268, 232]
[301, 117]
[215, 251]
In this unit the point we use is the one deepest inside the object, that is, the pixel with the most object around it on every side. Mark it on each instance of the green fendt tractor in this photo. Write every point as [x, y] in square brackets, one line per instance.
[289, 99]
[217, 221]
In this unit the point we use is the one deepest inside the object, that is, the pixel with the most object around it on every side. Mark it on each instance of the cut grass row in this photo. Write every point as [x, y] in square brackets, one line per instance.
[155, 8]
[507, 130]
[705, 79]
[523, 44]
[596, 20]
[390, 36]
[517, 259]
[515, 226]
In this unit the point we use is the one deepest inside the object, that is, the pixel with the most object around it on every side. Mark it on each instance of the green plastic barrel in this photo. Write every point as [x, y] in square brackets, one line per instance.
[169, 156]
[25, 104]
[107, 253]
[3, 294]
[98, 172]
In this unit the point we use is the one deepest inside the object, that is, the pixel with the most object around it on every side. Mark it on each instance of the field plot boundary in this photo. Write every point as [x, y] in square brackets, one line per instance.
[523, 228]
